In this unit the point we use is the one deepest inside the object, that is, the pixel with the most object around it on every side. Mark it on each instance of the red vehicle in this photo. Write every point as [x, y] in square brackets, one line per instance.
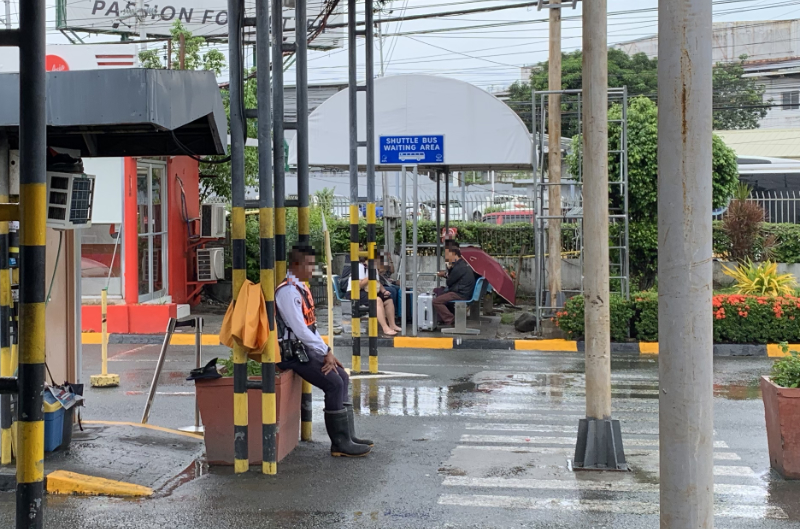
[509, 217]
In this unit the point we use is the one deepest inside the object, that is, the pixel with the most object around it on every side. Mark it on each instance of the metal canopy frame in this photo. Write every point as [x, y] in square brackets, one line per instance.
[618, 186]
[131, 112]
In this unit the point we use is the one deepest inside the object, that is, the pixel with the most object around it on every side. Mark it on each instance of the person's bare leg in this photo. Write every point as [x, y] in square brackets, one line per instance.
[388, 308]
[387, 329]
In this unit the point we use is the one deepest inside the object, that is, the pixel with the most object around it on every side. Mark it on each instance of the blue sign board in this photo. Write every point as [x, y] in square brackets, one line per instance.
[411, 150]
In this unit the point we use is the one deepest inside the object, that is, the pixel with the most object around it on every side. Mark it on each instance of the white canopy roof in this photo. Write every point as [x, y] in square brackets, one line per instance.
[480, 131]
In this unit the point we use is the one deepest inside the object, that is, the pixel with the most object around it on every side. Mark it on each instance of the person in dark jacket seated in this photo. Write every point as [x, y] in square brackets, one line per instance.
[460, 282]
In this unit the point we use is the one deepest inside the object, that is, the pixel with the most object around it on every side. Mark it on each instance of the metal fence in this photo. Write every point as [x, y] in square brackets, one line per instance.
[779, 206]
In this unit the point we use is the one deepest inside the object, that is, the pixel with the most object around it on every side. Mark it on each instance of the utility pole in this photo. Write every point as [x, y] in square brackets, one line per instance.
[182, 52]
[599, 443]
[8, 18]
[140, 22]
[684, 267]
[554, 155]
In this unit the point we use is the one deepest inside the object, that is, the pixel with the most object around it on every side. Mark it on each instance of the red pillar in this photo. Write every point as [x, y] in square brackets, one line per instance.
[130, 234]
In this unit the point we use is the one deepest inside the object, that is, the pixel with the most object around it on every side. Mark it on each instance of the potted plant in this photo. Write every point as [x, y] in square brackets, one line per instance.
[215, 400]
[781, 394]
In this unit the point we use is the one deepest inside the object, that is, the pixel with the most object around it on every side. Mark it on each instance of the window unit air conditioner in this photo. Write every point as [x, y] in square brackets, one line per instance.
[210, 264]
[69, 200]
[212, 221]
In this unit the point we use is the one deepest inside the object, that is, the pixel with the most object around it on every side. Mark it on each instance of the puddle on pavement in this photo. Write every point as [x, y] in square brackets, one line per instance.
[198, 468]
[742, 391]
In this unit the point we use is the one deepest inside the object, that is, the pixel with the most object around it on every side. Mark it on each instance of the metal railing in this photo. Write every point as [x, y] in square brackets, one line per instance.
[779, 206]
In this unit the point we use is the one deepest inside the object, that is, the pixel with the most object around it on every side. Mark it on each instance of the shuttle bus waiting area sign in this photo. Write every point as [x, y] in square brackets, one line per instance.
[411, 150]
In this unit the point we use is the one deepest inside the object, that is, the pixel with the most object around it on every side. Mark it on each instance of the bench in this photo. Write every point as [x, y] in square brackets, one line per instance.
[481, 288]
[344, 298]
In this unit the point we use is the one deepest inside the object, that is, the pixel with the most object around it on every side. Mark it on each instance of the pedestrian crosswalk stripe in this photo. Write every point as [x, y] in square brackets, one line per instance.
[604, 506]
[569, 452]
[734, 471]
[560, 428]
[562, 391]
[466, 438]
[723, 489]
[567, 416]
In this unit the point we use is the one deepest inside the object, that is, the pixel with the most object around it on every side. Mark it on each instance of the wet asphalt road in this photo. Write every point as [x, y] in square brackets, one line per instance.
[484, 440]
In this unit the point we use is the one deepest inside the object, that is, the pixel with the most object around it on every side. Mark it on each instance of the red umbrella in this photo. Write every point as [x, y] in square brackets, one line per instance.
[488, 267]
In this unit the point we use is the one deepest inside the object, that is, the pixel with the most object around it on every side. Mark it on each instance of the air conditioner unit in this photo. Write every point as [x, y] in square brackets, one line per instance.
[69, 200]
[210, 264]
[212, 221]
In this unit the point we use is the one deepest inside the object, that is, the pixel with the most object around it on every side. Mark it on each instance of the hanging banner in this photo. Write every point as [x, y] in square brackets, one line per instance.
[204, 18]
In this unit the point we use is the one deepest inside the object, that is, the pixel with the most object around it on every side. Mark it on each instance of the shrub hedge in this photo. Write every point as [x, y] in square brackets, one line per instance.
[508, 239]
[737, 319]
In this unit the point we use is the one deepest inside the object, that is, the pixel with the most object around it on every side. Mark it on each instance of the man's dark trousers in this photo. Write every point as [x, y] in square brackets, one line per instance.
[440, 306]
[335, 384]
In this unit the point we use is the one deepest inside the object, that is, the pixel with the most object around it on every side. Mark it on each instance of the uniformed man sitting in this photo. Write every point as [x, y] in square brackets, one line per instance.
[304, 352]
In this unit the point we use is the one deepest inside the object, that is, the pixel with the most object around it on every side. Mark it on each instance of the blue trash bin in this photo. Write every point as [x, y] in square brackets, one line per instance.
[53, 422]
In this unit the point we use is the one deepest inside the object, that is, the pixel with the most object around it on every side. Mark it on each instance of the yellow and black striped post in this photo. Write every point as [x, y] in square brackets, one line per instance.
[33, 217]
[269, 357]
[6, 369]
[237, 127]
[355, 288]
[240, 456]
[372, 289]
[266, 218]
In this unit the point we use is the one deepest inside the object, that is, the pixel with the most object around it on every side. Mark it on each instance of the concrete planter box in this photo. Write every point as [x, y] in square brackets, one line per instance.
[215, 399]
[782, 412]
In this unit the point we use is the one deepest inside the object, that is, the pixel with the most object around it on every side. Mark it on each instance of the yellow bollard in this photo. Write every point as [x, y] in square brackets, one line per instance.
[104, 380]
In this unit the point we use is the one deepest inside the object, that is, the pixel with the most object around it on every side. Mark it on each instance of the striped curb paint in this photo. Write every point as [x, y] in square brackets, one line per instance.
[419, 342]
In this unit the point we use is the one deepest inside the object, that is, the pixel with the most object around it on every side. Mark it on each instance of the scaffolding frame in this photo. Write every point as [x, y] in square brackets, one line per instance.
[619, 252]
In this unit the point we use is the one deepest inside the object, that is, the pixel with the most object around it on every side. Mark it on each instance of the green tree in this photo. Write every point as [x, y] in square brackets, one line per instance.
[643, 181]
[215, 178]
[212, 60]
[637, 72]
[738, 100]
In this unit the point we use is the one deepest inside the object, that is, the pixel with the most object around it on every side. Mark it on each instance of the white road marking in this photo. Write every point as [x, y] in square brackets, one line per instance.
[560, 428]
[565, 415]
[618, 507]
[738, 471]
[747, 491]
[386, 374]
[165, 393]
[569, 452]
[556, 440]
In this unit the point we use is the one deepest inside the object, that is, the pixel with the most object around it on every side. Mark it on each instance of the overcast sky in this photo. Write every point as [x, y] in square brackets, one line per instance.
[488, 49]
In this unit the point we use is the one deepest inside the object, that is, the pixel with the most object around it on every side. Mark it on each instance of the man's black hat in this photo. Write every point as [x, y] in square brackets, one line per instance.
[207, 372]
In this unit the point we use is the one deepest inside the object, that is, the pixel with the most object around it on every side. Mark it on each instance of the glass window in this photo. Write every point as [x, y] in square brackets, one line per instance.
[98, 258]
[152, 244]
[791, 100]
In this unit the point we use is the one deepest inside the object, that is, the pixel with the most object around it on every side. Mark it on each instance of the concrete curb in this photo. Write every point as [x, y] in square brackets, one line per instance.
[72, 483]
[419, 342]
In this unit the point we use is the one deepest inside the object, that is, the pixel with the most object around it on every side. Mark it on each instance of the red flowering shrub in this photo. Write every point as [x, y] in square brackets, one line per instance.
[737, 318]
[756, 319]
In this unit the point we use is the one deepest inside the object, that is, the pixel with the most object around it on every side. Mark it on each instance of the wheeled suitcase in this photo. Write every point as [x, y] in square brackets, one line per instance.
[426, 317]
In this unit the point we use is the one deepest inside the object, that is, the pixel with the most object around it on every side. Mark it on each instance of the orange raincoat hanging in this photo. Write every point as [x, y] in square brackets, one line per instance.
[245, 322]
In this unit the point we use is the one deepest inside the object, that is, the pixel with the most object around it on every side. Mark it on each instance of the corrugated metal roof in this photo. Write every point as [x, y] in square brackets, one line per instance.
[773, 143]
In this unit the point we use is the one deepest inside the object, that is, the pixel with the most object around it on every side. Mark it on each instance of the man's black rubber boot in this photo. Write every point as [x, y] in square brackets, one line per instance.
[339, 432]
[348, 406]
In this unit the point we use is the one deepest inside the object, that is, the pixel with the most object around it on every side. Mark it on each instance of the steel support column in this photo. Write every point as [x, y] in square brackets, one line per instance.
[5, 309]
[278, 153]
[33, 214]
[237, 126]
[685, 362]
[369, 29]
[353, 108]
[269, 463]
[303, 227]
